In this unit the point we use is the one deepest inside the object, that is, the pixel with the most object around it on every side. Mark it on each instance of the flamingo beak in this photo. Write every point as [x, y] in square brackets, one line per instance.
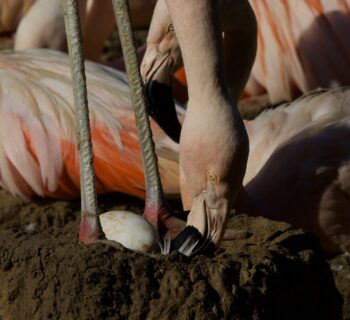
[157, 71]
[206, 222]
[161, 108]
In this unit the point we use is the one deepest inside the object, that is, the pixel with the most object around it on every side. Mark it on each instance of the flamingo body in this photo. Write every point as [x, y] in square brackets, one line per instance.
[303, 177]
[39, 157]
[301, 46]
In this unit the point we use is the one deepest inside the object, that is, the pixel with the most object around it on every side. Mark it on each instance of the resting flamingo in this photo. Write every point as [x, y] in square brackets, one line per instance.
[255, 134]
[42, 75]
[11, 13]
[43, 25]
[303, 44]
[294, 41]
[36, 99]
[299, 166]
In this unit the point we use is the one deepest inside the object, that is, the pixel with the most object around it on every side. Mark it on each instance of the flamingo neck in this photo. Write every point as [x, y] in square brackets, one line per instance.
[240, 43]
[95, 37]
[202, 52]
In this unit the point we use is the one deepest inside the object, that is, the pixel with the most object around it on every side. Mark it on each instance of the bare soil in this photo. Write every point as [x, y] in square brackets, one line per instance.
[273, 272]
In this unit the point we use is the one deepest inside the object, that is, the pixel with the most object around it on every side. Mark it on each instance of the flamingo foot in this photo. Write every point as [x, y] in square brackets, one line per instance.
[90, 229]
[163, 219]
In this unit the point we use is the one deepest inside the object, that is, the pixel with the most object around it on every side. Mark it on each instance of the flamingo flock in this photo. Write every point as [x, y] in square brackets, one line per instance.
[304, 46]
[297, 169]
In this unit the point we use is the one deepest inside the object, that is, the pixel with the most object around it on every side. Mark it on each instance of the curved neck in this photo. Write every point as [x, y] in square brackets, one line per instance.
[202, 52]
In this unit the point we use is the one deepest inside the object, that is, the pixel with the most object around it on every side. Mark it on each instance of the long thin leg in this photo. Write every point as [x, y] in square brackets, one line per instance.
[156, 211]
[90, 227]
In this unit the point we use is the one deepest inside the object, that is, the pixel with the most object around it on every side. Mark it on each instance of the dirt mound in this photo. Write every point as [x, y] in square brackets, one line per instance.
[274, 272]
[341, 270]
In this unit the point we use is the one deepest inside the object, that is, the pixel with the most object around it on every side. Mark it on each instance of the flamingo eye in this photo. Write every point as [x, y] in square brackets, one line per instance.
[170, 28]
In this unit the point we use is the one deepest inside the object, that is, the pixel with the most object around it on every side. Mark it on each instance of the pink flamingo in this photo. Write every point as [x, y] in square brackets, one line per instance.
[325, 211]
[304, 45]
[42, 26]
[12, 11]
[47, 75]
[290, 40]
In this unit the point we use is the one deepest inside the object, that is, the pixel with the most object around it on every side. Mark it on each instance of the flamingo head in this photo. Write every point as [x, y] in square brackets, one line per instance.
[162, 58]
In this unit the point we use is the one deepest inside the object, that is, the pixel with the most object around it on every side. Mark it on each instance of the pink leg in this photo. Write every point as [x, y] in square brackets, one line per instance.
[161, 216]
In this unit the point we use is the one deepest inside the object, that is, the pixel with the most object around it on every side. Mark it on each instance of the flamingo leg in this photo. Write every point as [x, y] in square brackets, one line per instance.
[157, 211]
[90, 227]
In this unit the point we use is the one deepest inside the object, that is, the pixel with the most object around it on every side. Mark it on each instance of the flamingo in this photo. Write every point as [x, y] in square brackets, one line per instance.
[323, 212]
[294, 41]
[157, 212]
[213, 143]
[290, 33]
[43, 25]
[304, 45]
[301, 175]
[11, 12]
[42, 75]
[36, 100]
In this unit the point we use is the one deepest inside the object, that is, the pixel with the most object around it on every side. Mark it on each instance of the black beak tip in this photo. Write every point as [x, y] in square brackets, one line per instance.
[162, 108]
[203, 246]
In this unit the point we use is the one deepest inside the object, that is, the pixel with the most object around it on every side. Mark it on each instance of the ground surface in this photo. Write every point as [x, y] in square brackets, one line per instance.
[276, 272]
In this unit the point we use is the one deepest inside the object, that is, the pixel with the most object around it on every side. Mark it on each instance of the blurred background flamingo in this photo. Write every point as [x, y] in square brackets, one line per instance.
[301, 46]
[11, 13]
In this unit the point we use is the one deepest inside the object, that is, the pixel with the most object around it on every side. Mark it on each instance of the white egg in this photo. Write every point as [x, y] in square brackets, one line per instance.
[130, 230]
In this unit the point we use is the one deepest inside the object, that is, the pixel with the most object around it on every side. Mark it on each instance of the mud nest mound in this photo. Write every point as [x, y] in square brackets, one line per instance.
[273, 272]
[341, 270]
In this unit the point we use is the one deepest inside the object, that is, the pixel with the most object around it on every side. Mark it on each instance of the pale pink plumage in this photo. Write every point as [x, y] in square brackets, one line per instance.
[38, 153]
[11, 12]
[299, 166]
[302, 45]
[42, 25]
